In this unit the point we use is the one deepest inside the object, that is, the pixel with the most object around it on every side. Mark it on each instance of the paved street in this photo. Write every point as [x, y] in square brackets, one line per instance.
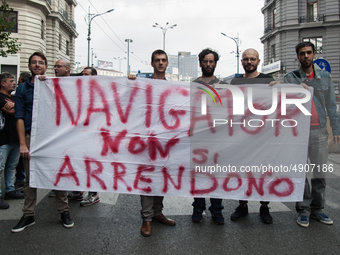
[112, 227]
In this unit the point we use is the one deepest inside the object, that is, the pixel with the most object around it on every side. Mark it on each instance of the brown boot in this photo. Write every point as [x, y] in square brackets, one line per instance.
[145, 230]
[162, 219]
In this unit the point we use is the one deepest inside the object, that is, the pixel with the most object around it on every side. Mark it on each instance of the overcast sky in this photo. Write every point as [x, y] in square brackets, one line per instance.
[199, 25]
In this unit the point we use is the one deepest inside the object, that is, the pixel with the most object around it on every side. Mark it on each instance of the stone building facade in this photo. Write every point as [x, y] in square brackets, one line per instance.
[288, 22]
[42, 25]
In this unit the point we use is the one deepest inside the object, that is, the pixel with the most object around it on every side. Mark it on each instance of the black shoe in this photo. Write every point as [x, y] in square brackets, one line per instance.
[3, 204]
[240, 212]
[19, 185]
[265, 215]
[25, 221]
[75, 195]
[14, 195]
[65, 218]
[218, 218]
[196, 217]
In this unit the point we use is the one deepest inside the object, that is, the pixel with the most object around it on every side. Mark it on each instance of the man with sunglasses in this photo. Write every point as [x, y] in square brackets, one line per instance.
[62, 68]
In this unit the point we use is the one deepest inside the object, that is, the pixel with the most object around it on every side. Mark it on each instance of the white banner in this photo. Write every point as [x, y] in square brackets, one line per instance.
[152, 137]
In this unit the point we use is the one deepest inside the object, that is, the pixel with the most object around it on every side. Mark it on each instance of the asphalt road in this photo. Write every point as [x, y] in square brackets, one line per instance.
[112, 226]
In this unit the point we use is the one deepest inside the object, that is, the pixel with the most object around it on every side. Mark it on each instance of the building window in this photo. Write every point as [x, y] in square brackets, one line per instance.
[272, 53]
[42, 29]
[13, 18]
[312, 10]
[274, 17]
[66, 11]
[67, 48]
[60, 41]
[317, 41]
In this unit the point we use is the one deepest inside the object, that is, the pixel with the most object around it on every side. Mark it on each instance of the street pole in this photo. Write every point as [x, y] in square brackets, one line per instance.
[88, 37]
[128, 55]
[77, 64]
[120, 62]
[237, 41]
[89, 20]
[164, 29]
[93, 54]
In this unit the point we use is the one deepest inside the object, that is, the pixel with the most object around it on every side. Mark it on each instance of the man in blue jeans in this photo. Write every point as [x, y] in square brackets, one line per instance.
[9, 143]
[323, 105]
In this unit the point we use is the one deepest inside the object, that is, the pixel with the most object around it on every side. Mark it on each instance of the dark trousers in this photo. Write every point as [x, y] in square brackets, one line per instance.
[215, 207]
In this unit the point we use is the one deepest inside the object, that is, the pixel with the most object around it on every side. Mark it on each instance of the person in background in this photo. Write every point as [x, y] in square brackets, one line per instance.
[9, 142]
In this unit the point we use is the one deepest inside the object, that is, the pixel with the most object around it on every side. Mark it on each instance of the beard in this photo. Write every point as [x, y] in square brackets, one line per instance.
[306, 64]
[250, 70]
[208, 72]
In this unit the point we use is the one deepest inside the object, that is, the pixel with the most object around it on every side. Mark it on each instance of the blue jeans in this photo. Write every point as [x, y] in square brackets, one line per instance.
[9, 157]
[314, 194]
[215, 207]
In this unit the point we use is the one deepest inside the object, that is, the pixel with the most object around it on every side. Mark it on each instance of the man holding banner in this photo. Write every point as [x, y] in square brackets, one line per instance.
[152, 206]
[208, 61]
[37, 64]
[250, 60]
[323, 105]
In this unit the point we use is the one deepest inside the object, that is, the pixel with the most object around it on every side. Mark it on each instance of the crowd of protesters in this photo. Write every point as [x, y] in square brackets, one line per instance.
[16, 121]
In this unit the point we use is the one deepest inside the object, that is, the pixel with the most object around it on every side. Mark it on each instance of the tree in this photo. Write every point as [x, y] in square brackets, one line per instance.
[8, 45]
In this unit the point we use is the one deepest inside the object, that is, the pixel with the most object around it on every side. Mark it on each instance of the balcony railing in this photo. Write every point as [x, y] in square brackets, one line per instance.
[306, 19]
[65, 14]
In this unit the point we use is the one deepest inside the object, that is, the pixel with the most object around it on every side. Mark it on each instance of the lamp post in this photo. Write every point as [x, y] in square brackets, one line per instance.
[77, 64]
[93, 54]
[89, 20]
[128, 55]
[237, 41]
[120, 62]
[164, 29]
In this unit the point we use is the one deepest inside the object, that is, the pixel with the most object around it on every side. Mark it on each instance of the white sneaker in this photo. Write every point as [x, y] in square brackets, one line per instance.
[90, 199]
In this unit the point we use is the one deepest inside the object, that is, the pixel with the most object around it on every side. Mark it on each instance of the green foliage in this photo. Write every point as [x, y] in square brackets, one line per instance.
[8, 45]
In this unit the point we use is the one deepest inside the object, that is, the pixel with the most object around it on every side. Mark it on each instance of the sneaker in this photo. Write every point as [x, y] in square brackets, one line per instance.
[240, 212]
[303, 221]
[218, 218]
[3, 204]
[196, 217]
[51, 193]
[25, 221]
[265, 215]
[90, 200]
[75, 195]
[323, 218]
[65, 218]
[14, 195]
